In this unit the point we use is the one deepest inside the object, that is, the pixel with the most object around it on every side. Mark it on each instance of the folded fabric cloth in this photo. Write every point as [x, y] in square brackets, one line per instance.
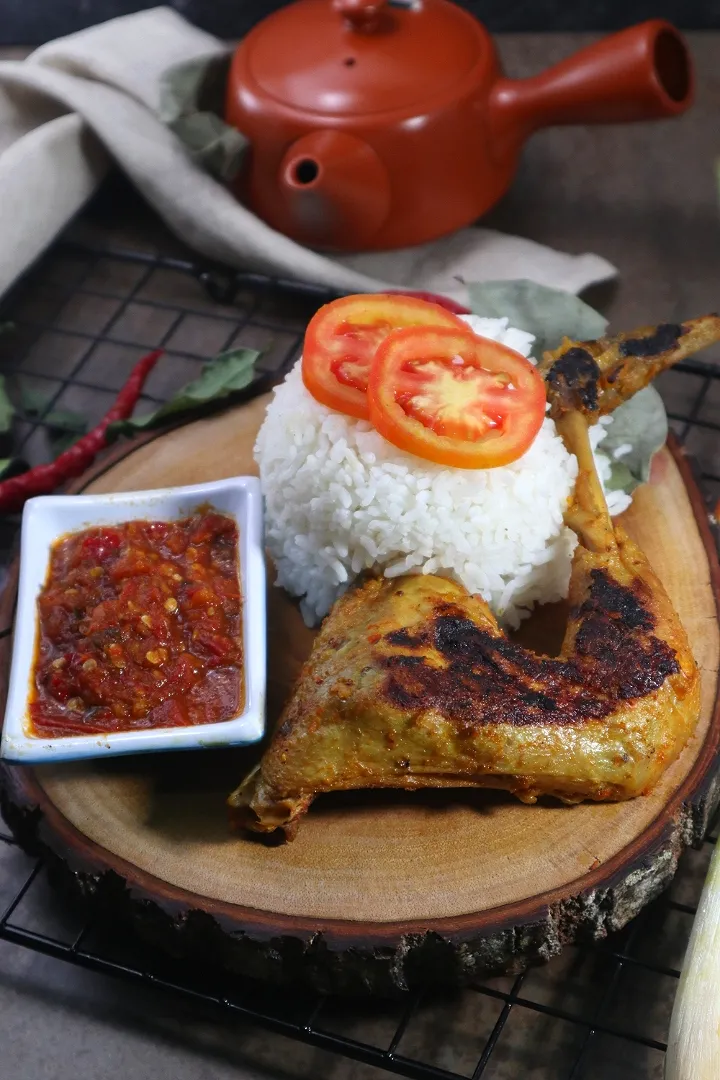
[103, 92]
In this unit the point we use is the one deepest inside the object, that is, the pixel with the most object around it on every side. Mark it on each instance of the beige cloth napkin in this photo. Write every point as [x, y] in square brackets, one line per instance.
[98, 92]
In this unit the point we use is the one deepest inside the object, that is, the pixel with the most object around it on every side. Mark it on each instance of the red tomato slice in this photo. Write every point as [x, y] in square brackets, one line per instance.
[454, 398]
[435, 298]
[342, 338]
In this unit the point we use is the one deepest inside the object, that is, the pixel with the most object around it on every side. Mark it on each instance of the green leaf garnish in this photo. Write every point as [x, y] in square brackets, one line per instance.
[642, 422]
[222, 377]
[7, 409]
[549, 314]
[621, 479]
[64, 426]
[32, 401]
[12, 466]
[65, 420]
[191, 103]
[60, 441]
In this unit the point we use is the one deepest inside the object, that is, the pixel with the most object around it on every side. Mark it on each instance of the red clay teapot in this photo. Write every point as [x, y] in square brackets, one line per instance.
[379, 124]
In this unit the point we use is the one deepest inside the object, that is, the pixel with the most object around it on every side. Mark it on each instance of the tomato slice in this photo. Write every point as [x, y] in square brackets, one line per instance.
[454, 398]
[435, 298]
[342, 338]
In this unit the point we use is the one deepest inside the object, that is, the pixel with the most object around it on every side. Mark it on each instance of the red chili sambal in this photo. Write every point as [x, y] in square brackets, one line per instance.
[139, 627]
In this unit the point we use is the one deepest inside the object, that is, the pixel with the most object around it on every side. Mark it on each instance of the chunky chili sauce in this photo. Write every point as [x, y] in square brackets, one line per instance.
[139, 627]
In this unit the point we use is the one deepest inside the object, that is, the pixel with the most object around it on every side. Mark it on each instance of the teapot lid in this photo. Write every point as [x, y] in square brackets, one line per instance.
[354, 57]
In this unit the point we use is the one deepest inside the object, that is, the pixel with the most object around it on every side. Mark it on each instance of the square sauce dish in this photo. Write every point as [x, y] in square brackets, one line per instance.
[110, 646]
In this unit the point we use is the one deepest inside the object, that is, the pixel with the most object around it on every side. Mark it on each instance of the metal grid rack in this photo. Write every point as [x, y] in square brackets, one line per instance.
[81, 319]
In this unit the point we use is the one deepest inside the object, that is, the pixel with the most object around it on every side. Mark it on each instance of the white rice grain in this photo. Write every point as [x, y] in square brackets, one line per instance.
[340, 500]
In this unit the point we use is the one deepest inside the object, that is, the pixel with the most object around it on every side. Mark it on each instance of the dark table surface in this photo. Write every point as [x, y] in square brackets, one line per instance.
[41, 20]
[645, 198]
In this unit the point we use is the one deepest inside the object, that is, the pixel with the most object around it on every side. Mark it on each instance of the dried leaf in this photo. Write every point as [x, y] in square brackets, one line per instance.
[227, 374]
[192, 103]
[549, 314]
[642, 424]
[65, 420]
[7, 409]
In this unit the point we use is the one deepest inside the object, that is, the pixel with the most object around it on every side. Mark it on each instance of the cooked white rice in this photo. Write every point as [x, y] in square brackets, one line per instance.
[341, 500]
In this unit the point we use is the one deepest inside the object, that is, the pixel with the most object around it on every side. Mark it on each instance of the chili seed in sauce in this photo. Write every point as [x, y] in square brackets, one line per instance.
[131, 634]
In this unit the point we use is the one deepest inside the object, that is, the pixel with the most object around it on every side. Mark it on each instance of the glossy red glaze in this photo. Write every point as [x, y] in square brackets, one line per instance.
[381, 125]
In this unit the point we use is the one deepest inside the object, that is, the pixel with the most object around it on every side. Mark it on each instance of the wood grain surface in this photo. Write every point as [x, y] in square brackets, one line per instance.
[372, 877]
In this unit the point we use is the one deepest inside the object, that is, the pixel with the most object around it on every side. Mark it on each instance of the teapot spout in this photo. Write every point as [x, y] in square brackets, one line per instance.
[335, 190]
[642, 73]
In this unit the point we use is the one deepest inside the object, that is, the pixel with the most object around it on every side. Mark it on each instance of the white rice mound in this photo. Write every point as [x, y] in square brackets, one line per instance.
[341, 500]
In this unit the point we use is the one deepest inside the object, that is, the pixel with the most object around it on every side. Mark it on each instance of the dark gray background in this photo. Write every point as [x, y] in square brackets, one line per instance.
[30, 22]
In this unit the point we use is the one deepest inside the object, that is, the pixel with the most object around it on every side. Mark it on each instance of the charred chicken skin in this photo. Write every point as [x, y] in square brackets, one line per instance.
[411, 683]
[595, 377]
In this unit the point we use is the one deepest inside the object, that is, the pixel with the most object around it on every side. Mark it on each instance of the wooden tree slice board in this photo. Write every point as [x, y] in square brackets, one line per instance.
[380, 890]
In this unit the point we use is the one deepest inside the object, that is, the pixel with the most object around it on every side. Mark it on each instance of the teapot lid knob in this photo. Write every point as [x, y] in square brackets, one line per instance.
[363, 16]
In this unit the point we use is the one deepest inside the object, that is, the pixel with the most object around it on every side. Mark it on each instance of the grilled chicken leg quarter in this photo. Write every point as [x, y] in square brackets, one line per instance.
[411, 683]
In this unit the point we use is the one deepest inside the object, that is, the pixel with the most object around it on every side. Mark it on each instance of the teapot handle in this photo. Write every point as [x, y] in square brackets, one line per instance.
[642, 73]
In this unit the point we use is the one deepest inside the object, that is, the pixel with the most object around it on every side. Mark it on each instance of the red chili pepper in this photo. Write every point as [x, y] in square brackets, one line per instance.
[44, 479]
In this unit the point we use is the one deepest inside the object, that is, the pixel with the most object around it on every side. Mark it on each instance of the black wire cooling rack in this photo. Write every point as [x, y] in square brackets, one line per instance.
[80, 320]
